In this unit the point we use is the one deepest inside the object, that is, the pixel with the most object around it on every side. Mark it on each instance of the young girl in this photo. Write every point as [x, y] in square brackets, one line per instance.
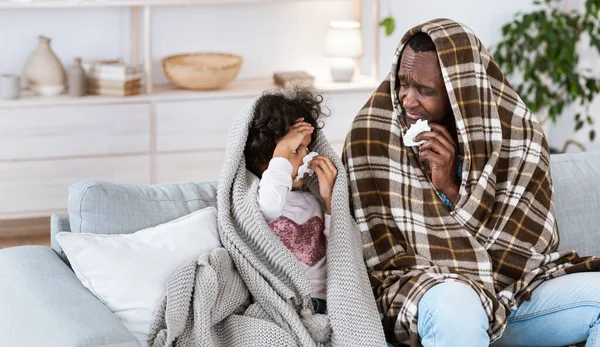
[279, 138]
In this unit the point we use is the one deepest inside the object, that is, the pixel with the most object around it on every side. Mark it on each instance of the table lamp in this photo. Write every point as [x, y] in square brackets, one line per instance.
[343, 43]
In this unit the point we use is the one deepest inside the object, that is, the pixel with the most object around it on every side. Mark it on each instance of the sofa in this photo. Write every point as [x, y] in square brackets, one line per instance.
[42, 303]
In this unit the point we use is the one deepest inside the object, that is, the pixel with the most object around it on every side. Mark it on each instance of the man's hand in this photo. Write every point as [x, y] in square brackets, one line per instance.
[326, 173]
[290, 142]
[439, 152]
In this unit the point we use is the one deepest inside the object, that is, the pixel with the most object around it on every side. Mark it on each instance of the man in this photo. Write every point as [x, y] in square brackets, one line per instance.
[459, 235]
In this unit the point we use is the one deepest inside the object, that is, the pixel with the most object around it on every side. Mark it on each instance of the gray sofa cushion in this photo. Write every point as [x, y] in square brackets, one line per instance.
[577, 201]
[44, 304]
[106, 208]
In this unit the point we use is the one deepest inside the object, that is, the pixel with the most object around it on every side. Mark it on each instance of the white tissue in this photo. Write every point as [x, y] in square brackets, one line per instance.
[417, 128]
[304, 168]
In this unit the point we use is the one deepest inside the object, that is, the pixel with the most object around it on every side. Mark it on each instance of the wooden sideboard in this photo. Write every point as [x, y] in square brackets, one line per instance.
[169, 136]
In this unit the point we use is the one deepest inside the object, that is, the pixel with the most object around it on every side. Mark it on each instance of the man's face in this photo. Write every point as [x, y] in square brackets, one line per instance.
[421, 90]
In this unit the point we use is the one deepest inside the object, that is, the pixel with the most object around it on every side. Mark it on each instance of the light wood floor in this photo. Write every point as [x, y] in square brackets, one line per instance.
[32, 231]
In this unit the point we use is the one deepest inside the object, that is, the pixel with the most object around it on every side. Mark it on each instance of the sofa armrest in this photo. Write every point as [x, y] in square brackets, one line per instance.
[575, 180]
[43, 304]
[59, 222]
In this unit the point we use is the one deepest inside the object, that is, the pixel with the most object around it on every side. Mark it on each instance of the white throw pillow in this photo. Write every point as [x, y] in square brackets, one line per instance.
[129, 272]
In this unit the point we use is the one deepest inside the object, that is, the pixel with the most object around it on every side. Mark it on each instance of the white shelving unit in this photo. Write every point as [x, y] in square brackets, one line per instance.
[31, 4]
[164, 135]
[237, 89]
[145, 8]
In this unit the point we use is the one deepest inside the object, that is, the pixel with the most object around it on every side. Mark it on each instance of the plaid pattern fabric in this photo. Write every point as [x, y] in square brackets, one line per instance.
[444, 198]
[501, 238]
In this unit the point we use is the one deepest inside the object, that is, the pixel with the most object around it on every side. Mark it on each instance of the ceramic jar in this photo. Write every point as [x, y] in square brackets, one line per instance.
[10, 86]
[44, 72]
[76, 79]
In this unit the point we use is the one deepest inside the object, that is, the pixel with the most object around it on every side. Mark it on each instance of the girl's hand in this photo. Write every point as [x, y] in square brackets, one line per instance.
[326, 173]
[290, 142]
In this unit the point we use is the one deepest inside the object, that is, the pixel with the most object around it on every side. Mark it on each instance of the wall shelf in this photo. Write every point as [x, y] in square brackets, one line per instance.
[237, 89]
[141, 17]
[140, 12]
[42, 4]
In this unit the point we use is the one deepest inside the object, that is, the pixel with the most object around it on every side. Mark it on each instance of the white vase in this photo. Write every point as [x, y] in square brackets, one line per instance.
[44, 72]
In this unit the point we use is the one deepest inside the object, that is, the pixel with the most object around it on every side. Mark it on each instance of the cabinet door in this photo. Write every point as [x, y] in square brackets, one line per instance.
[344, 107]
[197, 166]
[42, 186]
[52, 132]
[195, 125]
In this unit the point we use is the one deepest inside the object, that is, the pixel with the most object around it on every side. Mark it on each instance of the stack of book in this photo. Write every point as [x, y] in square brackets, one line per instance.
[113, 78]
[289, 79]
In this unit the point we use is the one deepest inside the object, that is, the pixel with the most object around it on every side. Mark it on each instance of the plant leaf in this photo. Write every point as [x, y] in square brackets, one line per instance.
[389, 23]
[592, 135]
[539, 49]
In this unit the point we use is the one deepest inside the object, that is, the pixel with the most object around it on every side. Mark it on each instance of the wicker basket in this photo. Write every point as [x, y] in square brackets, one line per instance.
[202, 71]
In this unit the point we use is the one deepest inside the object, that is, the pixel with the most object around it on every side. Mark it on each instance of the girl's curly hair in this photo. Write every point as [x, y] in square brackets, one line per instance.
[275, 112]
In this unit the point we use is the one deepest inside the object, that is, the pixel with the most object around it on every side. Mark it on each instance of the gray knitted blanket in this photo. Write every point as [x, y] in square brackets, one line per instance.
[254, 291]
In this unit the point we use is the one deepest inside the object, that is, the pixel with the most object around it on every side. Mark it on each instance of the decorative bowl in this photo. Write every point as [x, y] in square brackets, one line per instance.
[202, 71]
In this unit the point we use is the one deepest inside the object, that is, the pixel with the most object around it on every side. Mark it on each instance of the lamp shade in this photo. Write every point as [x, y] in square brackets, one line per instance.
[344, 40]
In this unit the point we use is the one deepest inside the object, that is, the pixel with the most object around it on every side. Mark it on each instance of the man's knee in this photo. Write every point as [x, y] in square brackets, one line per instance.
[451, 308]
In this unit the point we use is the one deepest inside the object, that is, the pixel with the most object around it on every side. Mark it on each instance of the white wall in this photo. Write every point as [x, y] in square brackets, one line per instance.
[269, 36]
[91, 34]
[486, 19]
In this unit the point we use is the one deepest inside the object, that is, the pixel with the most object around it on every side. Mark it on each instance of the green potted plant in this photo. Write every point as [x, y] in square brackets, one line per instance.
[538, 52]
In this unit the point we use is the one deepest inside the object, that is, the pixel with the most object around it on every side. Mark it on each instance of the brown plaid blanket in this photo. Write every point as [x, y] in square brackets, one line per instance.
[501, 237]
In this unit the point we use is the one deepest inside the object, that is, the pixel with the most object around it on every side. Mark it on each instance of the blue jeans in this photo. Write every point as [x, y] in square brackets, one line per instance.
[562, 311]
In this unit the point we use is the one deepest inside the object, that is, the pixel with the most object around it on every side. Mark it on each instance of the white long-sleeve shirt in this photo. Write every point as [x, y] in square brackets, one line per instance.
[297, 218]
